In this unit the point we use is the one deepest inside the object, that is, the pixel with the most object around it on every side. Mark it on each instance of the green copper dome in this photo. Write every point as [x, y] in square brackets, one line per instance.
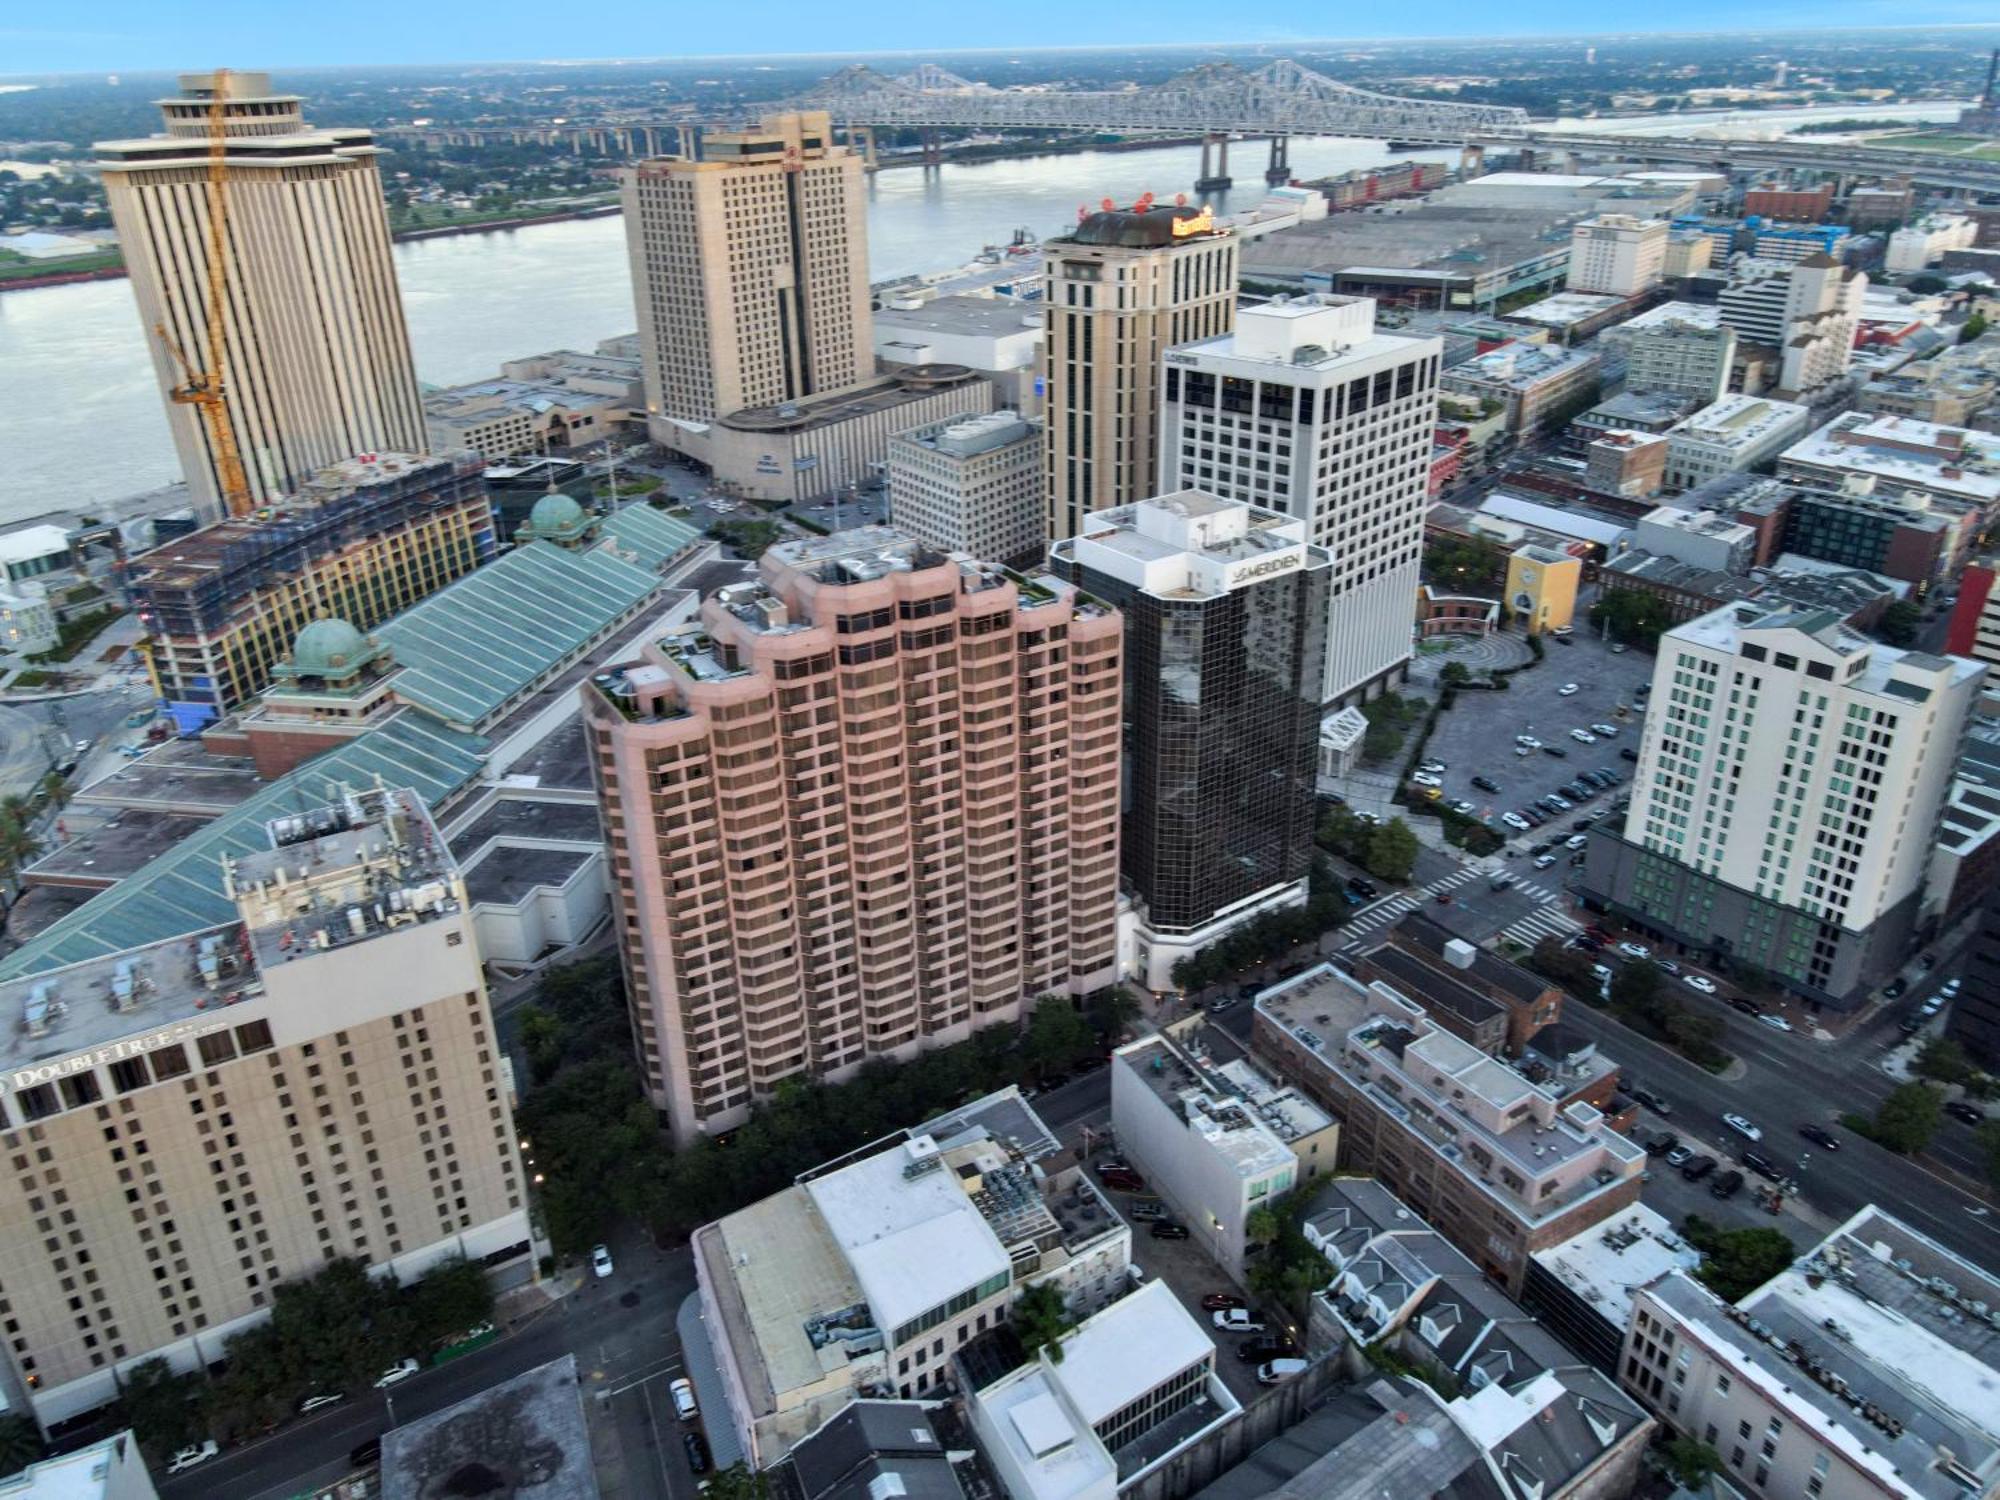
[328, 648]
[556, 514]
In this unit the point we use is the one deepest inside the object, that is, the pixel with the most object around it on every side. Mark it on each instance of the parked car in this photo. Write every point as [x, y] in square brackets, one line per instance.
[1256, 1351]
[1699, 982]
[1166, 1229]
[1463, 808]
[697, 1452]
[1279, 1370]
[1583, 736]
[1776, 1023]
[1895, 988]
[1567, 690]
[1556, 750]
[396, 1374]
[194, 1453]
[1433, 767]
[1515, 820]
[1728, 1185]
[1425, 779]
[1486, 784]
[1604, 731]
[1602, 975]
[1698, 1168]
[1123, 1178]
[1666, 966]
[1218, 1005]
[1647, 1097]
[682, 1391]
[1628, 753]
[365, 1453]
[1680, 1156]
[324, 1398]
[600, 1262]
[1971, 1114]
[1635, 950]
[1527, 741]
[1221, 1301]
[1819, 1135]
[1543, 861]
[1575, 841]
[1762, 1165]
[1662, 1143]
[1748, 1007]
[1146, 1210]
[1237, 1320]
[1743, 1127]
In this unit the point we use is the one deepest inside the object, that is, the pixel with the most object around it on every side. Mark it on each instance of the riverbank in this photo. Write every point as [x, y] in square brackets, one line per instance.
[971, 155]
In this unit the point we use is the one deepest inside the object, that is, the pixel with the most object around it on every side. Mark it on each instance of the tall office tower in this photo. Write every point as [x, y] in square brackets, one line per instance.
[1225, 651]
[1787, 796]
[1124, 288]
[317, 364]
[192, 1122]
[1801, 314]
[1682, 357]
[1306, 410]
[750, 270]
[868, 806]
[1617, 255]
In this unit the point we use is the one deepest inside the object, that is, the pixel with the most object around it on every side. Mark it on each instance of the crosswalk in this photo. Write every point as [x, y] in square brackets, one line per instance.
[1543, 921]
[1548, 919]
[1391, 909]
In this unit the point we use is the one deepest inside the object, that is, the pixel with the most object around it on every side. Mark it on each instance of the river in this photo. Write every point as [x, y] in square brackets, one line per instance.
[81, 419]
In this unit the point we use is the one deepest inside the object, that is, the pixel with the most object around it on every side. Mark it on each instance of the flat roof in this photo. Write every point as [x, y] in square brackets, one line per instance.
[912, 1241]
[1046, 1441]
[524, 1439]
[1608, 1262]
[1211, 1114]
[528, 819]
[1582, 525]
[508, 874]
[1135, 1345]
[108, 1470]
[1956, 461]
[31, 542]
[789, 1275]
[121, 844]
[978, 317]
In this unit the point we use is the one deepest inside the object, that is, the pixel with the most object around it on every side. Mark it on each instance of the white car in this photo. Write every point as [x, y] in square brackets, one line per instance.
[1237, 1320]
[1776, 1023]
[1515, 820]
[1635, 950]
[1576, 841]
[1527, 742]
[1434, 767]
[1699, 982]
[1600, 973]
[314, 1403]
[1743, 1127]
[1464, 809]
[396, 1374]
[1543, 861]
[1583, 736]
[1605, 731]
[1568, 690]
[600, 1262]
[1424, 778]
[192, 1454]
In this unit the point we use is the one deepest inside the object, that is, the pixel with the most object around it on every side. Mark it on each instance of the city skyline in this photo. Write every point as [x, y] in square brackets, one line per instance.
[140, 41]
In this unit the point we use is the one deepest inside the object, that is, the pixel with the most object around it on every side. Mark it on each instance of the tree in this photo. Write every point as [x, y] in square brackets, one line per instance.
[1632, 617]
[1942, 1059]
[1058, 1038]
[1900, 622]
[1735, 1262]
[1690, 1462]
[1635, 986]
[20, 1444]
[1041, 1319]
[541, 1038]
[339, 1327]
[1974, 327]
[1908, 1118]
[1111, 1011]
[1383, 738]
[450, 1298]
[1564, 964]
[162, 1409]
[1262, 1224]
[736, 1482]
[1455, 674]
[1392, 851]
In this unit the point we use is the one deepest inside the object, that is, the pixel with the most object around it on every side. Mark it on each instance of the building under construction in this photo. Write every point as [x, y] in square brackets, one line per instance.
[1983, 118]
[361, 541]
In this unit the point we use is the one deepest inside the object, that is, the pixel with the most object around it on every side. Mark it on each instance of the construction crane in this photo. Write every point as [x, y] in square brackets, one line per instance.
[205, 389]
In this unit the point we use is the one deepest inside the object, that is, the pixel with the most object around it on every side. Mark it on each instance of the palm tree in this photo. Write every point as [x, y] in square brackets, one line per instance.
[55, 790]
[1041, 1318]
[20, 1444]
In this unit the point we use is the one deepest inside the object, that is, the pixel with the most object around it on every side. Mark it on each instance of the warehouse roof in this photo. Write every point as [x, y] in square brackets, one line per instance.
[181, 891]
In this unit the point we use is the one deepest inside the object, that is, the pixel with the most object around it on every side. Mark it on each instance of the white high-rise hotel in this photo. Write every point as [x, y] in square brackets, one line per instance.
[1787, 796]
[318, 364]
[1305, 409]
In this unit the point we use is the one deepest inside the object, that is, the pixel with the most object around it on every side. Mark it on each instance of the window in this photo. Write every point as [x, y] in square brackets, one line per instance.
[215, 1048]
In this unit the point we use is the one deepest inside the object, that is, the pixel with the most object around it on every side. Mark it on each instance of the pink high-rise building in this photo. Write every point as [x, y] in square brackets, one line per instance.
[868, 806]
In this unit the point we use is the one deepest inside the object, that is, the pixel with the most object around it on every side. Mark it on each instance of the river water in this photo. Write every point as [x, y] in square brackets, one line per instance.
[81, 420]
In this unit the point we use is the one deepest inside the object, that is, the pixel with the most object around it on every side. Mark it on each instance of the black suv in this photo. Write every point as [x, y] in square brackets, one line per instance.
[1699, 1168]
[1485, 784]
[1728, 1185]
[1762, 1165]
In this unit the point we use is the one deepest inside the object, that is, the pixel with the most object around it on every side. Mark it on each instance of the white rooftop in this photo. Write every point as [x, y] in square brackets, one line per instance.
[1738, 419]
[1606, 1263]
[1952, 461]
[912, 1242]
[32, 542]
[1048, 1444]
[1136, 1344]
[1315, 333]
[107, 1470]
[1564, 308]
[1553, 518]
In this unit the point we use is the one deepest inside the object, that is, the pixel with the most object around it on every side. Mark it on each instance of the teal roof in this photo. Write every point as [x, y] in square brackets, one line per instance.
[470, 649]
[651, 535]
[181, 891]
[328, 648]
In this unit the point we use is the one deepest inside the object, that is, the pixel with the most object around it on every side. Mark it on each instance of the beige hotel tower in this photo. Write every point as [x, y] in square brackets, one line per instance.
[318, 358]
[867, 806]
[750, 272]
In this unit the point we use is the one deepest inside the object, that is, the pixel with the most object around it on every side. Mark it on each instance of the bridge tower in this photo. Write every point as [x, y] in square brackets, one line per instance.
[1214, 176]
[1278, 171]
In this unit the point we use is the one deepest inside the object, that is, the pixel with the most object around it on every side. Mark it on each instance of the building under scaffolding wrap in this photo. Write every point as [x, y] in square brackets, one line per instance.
[361, 541]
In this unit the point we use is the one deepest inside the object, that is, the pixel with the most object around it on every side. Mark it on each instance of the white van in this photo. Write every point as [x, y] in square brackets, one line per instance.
[1280, 1369]
[683, 1394]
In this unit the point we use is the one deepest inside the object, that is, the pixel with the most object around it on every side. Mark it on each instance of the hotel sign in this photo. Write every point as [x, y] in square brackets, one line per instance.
[1201, 223]
[119, 1051]
[1264, 567]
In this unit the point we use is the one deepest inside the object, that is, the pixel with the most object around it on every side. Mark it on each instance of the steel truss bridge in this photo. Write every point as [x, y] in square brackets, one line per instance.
[1281, 98]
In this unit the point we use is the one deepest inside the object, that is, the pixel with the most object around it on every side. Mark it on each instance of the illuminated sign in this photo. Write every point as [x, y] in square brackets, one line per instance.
[1250, 572]
[118, 1051]
[1201, 223]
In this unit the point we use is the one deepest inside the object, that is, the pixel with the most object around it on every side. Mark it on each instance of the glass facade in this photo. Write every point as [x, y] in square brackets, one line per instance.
[1221, 736]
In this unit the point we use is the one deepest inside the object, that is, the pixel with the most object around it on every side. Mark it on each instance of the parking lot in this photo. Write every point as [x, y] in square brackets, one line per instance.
[1477, 738]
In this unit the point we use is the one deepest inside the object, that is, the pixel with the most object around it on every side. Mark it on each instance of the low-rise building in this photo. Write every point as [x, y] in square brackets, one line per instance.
[1687, 590]
[1650, 412]
[27, 619]
[1420, 957]
[1581, 1290]
[1630, 465]
[971, 484]
[1617, 254]
[1864, 1370]
[525, 1436]
[1702, 538]
[1577, 529]
[1736, 433]
[1770, 200]
[1498, 1163]
[42, 552]
[875, 1448]
[1130, 1389]
[1689, 358]
[1950, 389]
[1922, 244]
[999, 337]
[1898, 456]
[110, 1469]
[546, 403]
[1542, 586]
[1689, 252]
[871, 1272]
[1534, 383]
[1218, 1140]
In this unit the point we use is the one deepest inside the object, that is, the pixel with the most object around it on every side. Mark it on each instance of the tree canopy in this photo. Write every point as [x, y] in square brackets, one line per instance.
[1735, 1262]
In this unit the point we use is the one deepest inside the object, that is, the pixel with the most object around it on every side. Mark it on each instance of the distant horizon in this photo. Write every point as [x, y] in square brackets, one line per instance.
[137, 36]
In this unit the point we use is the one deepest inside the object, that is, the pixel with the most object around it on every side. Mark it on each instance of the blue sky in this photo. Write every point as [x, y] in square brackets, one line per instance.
[132, 35]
